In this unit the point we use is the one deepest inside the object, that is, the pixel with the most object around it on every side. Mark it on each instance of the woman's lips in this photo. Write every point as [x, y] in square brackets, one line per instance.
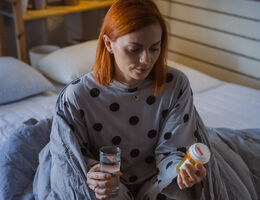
[141, 70]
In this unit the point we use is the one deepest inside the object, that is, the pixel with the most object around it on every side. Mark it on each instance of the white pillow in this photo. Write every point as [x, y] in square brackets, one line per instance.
[68, 63]
[199, 81]
[19, 80]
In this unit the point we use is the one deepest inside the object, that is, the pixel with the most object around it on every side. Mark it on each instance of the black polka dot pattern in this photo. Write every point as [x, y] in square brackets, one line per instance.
[164, 113]
[167, 135]
[160, 196]
[82, 114]
[169, 77]
[31, 122]
[150, 100]
[133, 120]
[66, 104]
[149, 159]
[116, 140]
[72, 127]
[132, 90]
[134, 153]
[97, 127]
[169, 164]
[152, 133]
[167, 153]
[182, 149]
[180, 93]
[75, 81]
[186, 118]
[197, 135]
[94, 92]
[114, 107]
[133, 179]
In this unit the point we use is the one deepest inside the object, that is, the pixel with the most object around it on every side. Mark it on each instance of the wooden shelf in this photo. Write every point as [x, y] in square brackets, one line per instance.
[84, 5]
[20, 17]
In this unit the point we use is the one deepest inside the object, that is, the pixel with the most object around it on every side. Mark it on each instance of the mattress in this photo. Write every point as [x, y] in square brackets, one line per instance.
[38, 107]
[222, 104]
[229, 105]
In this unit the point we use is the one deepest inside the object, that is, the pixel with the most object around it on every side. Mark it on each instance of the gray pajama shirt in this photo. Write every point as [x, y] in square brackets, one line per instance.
[153, 132]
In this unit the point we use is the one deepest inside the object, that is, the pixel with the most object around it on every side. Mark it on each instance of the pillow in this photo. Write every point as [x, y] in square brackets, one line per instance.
[66, 64]
[18, 80]
[199, 81]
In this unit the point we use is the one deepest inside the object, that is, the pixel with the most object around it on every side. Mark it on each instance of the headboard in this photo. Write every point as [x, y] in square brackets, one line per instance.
[220, 38]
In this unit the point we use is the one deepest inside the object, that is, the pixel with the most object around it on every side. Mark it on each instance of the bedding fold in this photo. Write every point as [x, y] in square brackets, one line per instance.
[232, 172]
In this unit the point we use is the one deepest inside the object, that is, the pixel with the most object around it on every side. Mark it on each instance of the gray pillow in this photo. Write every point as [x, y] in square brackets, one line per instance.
[18, 80]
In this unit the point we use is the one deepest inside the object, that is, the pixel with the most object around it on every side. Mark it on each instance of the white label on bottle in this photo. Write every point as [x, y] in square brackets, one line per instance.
[183, 164]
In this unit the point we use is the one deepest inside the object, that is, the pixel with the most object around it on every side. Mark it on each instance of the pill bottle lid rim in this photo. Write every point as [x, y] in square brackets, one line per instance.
[199, 152]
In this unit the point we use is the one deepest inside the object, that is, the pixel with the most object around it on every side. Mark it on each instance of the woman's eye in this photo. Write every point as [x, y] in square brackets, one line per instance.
[134, 50]
[155, 49]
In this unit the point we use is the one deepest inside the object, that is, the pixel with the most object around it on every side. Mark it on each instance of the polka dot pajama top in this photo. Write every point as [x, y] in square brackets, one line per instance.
[153, 131]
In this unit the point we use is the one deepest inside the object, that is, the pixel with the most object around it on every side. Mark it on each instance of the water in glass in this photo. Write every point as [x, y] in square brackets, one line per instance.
[110, 163]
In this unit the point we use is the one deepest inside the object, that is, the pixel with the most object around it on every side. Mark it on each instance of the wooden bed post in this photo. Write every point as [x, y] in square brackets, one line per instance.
[19, 30]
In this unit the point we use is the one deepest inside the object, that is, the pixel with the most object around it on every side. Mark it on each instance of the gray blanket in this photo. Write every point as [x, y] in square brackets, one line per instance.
[232, 173]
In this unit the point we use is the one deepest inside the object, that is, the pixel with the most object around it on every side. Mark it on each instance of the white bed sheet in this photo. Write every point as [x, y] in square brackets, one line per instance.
[199, 81]
[222, 104]
[38, 107]
[229, 105]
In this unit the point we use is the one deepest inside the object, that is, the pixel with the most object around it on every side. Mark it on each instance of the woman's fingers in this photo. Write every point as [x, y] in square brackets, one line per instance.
[98, 175]
[100, 183]
[100, 196]
[184, 176]
[201, 171]
[180, 182]
[102, 191]
[192, 176]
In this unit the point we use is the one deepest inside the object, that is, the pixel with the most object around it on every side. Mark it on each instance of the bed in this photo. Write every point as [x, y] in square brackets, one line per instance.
[219, 103]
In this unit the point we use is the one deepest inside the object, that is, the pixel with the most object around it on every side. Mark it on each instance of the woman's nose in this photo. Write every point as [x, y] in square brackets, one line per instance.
[145, 57]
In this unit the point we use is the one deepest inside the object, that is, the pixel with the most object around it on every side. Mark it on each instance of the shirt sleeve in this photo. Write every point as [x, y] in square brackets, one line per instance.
[69, 109]
[176, 135]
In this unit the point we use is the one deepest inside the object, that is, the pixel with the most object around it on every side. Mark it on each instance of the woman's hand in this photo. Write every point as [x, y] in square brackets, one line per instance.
[99, 182]
[190, 175]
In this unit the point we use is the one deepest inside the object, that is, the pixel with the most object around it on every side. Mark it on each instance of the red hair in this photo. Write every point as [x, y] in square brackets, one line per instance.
[123, 17]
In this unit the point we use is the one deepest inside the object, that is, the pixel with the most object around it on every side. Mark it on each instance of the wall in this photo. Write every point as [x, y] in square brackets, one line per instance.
[58, 30]
[220, 38]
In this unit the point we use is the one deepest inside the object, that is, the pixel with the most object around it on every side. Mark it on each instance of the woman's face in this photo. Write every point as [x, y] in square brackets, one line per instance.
[135, 53]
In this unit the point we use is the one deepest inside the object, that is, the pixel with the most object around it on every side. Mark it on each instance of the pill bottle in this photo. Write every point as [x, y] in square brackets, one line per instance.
[198, 153]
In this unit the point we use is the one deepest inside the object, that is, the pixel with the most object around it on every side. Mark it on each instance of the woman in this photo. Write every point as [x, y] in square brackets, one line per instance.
[134, 95]
[134, 101]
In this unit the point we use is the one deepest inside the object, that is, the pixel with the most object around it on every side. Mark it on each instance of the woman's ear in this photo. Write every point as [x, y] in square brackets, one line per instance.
[107, 42]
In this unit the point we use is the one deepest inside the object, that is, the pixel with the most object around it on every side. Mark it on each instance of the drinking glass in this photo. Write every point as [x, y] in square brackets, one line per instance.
[110, 163]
